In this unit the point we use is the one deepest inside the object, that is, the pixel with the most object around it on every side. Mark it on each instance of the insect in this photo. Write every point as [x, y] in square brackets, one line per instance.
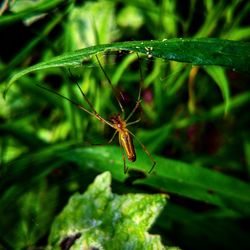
[117, 122]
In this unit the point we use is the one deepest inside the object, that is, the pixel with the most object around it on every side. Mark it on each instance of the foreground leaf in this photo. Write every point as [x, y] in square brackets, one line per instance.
[202, 51]
[99, 219]
[172, 176]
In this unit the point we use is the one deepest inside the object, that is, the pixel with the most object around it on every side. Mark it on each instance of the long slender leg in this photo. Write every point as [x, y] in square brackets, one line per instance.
[111, 85]
[139, 93]
[141, 78]
[146, 151]
[133, 111]
[125, 168]
[113, 136]
[95, 114]
[133, 122]
[84, 96]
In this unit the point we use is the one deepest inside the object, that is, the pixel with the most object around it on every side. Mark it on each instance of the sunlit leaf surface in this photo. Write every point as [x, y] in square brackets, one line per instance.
[204, 51]
[99, 219]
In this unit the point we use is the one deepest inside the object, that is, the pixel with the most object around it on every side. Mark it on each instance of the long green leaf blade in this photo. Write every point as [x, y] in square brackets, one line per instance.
[204, 51]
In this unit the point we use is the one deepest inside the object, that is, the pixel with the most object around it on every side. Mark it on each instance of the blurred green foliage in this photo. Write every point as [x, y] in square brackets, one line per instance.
[194, 120]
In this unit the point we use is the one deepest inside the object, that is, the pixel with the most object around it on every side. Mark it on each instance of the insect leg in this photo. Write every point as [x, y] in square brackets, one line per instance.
[146, 151]
[139, 93]
[110, 83]
[84, 96]
[95, 114]
[134, 122]
[134, 109]
[113, 136]
[141, 78]
[125, 168]
[89, 103]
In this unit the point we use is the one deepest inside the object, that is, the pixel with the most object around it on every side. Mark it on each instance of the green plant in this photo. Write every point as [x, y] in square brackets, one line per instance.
[194, 120]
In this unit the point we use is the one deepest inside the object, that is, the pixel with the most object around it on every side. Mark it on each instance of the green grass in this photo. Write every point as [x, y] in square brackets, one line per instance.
[194, 58]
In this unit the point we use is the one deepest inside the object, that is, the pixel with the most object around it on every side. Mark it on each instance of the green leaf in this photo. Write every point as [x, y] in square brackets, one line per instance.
[33, 218]
[102, 220]
[170, 176]
[157, 137]
[204, 51]
[219, 76]
[85, 31]
[30, 11]
[247, 154]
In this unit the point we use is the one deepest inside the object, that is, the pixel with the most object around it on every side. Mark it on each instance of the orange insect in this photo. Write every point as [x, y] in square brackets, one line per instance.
[116, 122]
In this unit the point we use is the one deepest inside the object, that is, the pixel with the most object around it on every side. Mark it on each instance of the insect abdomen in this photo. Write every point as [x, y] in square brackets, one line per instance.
[127, 143]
